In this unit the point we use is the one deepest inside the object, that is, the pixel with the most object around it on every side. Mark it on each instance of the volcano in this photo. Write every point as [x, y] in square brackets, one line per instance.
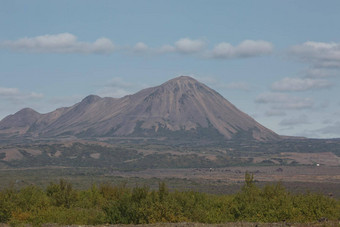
[181, 108]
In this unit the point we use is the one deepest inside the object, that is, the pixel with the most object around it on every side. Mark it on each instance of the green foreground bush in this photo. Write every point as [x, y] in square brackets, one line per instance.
[103, 204]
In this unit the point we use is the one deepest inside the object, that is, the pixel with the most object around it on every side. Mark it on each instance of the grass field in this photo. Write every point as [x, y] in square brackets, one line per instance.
[325, 180]
[232, 224]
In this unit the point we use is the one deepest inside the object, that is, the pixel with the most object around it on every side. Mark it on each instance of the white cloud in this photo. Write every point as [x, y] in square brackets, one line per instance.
[284, 101]
[119, 82]
[319, 73]
[35, 95]
[101, 46]
[59, 43]
[319, 54]
[13, 99]
[302, 119]
[299, 84]
[224, 50]
[188, 46]
[167, 49]
[8, 91]
[140, 47]
[15, 95]
[69, 43]
[248, 48]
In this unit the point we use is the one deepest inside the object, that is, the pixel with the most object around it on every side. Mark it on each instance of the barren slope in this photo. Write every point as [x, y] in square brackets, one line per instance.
[179, 105]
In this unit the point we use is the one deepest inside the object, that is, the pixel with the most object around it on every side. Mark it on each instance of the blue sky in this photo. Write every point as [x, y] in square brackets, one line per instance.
[278, 61]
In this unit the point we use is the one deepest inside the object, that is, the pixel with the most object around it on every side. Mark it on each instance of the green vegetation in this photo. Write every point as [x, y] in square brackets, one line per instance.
[61, 203]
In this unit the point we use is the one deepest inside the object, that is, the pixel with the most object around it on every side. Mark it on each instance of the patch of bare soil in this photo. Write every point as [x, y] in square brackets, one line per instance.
[33, 152]
[11, 154]
[330, 174]
[14, 153]
[324, 158]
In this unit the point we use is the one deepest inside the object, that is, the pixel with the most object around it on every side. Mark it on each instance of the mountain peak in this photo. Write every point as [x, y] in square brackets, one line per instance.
[179, 108]
[90, 99]
[181, 83]
[182, 79]
[22, 118]
[27, 110]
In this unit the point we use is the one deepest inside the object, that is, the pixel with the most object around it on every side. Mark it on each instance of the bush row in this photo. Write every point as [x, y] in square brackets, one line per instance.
[107, 204]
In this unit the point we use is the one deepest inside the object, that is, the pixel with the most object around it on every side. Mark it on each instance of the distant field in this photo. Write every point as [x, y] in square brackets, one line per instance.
[216, 169]
[212, 170]
[217, 181]
[127, 156]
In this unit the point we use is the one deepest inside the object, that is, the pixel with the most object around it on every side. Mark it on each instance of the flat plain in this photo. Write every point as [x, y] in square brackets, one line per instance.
[216, 169]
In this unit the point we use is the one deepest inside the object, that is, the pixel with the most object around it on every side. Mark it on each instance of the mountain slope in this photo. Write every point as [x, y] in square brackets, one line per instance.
[19, 123]
[181, 106]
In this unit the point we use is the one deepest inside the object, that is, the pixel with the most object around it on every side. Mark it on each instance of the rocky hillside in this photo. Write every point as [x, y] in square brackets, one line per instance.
[179, 108]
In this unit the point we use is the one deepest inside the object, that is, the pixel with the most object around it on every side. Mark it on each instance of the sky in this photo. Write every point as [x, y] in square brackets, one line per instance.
[278, 61]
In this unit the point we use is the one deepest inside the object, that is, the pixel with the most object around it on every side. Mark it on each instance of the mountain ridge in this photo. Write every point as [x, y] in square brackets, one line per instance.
[181, 105]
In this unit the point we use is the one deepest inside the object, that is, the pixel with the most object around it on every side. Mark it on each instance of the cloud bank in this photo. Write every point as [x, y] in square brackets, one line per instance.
[68, 43]
[188, 46]
[319, 54]
[247, 48]
[13, 99]
[59, 43]
[140, 47]
[15, 95]
[182, 46]
[299, 84]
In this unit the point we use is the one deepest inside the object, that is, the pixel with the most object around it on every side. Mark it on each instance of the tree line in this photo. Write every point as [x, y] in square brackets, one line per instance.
[106, 204]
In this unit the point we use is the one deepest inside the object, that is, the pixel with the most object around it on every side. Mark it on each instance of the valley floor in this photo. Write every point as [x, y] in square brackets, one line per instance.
[297, 179]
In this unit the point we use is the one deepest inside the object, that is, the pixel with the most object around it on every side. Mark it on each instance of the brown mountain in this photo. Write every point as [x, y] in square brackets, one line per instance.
[181, 108]
[19, 122]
